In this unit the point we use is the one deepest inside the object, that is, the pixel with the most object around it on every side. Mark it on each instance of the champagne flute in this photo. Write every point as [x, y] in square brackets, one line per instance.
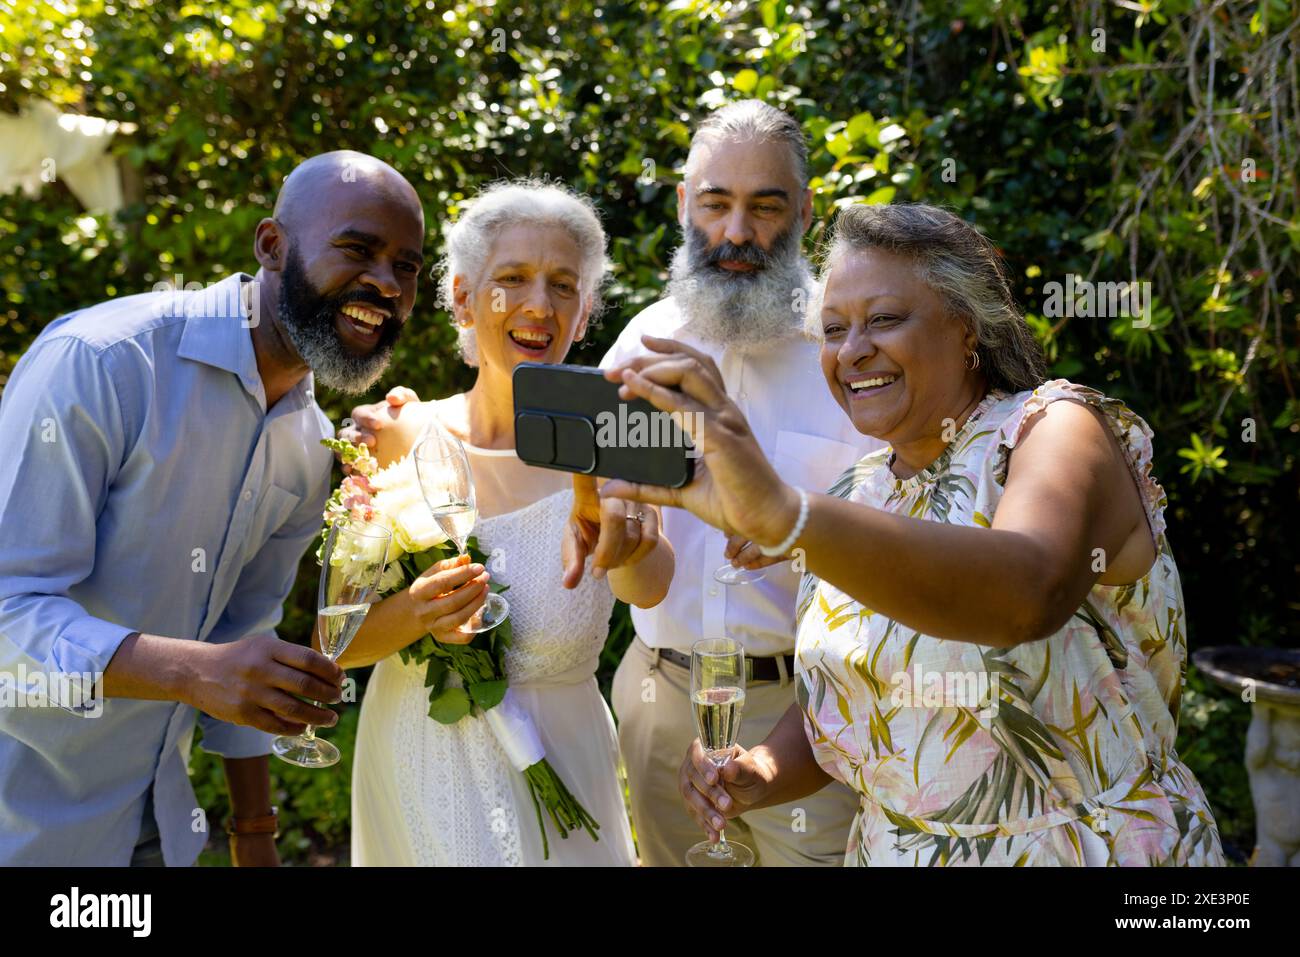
[442, 467]
[353, 563]
[718, 698]
[729, 574]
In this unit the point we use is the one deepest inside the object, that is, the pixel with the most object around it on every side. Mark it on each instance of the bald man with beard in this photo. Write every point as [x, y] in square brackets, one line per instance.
[165, 475]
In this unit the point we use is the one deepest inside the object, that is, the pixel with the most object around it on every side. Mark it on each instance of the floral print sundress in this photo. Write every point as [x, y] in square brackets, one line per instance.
[1054, 752]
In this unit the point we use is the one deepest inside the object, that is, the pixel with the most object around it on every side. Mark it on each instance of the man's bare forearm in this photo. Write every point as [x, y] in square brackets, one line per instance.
[151, 668]
[249, 783]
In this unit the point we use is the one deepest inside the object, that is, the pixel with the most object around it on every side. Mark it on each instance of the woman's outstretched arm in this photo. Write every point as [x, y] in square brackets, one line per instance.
[1070, 516]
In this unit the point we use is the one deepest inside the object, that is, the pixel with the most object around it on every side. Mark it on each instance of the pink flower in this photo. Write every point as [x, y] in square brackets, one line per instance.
[356, 492]
[355, 485]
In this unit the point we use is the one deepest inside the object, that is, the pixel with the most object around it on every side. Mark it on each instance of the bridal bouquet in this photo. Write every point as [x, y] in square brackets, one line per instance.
[391, 497]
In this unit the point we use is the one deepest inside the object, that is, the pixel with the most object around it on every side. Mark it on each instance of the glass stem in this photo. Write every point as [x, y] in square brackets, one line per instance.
[721, 847]
[309, 733]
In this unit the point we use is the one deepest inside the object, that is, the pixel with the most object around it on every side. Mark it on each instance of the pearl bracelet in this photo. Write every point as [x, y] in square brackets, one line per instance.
[793, 537]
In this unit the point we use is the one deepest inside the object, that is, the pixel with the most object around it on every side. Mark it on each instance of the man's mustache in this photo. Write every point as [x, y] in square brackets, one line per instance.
[751, 254]
[748, 254]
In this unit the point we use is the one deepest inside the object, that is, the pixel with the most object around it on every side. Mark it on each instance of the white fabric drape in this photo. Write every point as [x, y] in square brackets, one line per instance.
[40, 143]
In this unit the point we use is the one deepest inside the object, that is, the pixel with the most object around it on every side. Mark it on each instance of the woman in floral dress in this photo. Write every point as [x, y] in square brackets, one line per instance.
[992, 639]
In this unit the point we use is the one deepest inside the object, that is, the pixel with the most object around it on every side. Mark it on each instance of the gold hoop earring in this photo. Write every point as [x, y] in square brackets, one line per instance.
[972, 360]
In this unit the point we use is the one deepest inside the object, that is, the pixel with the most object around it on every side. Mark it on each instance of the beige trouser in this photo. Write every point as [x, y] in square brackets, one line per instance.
[651, 698]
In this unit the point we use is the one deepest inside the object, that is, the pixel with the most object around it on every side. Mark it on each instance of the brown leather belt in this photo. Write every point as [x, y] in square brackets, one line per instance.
[756, 669]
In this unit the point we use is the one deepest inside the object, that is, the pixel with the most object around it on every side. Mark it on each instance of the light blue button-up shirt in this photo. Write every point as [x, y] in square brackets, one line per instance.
[143, 487]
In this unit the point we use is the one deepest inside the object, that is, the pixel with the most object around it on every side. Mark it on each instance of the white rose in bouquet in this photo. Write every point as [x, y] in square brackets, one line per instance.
[398, 496]
[358, 554]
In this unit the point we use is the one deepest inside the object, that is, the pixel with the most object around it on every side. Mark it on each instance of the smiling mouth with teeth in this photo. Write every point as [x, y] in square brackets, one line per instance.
[533, 340]
[869, 384]
[366, 317]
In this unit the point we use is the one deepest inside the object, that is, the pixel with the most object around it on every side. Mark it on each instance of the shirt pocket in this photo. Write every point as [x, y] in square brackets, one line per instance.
[273, 511]
[812, 462]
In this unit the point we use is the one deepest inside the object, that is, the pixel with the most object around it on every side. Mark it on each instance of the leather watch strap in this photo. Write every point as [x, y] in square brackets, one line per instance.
[244, 826]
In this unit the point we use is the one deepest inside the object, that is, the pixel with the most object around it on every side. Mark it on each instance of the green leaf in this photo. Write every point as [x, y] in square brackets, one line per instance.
[434, 673]
[450, 706]
[499, 638]
[839, 146]
[1094, 241]
[488, 694]
[426, 560]
[860, 127]
[745, 81]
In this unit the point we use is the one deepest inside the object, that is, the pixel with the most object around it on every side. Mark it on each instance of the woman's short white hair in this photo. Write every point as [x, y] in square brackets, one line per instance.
[528, 202]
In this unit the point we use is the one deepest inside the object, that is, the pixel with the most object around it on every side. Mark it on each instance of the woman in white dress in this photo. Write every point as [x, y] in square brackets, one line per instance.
[522, 275]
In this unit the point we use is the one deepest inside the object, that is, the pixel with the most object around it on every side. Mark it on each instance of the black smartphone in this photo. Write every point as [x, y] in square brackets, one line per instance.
[571, 418]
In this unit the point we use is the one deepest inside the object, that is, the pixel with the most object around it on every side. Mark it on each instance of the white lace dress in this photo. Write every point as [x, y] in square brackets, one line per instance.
[424, 793]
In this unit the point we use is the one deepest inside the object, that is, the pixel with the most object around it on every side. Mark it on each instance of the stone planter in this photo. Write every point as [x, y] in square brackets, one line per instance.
[1270, 679]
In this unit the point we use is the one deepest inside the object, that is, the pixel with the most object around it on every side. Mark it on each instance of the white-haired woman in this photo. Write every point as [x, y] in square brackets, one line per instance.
[521, 278]
[992, 641]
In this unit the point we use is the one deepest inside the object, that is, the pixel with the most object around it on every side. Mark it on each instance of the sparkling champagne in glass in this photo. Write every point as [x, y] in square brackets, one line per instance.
[353, 563]
[718, 700]
[339, 624]
[442, 467]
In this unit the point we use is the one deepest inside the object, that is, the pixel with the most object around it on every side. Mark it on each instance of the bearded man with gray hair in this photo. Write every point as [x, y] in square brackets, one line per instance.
[737, 291]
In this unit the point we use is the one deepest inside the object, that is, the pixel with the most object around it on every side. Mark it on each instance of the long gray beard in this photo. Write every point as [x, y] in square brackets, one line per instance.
[745, 311]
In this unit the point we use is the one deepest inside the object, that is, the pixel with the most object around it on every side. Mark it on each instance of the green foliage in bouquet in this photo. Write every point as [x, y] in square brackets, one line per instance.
[480, 664]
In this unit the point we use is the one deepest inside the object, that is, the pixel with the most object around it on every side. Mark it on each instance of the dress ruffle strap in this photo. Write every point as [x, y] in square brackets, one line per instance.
[1134, 435]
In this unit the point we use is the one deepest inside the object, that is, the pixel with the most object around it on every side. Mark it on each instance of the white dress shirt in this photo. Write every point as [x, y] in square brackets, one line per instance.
[808, 439]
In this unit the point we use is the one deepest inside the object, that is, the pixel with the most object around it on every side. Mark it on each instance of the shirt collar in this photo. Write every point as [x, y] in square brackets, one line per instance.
[217, 330]
[217, 334]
